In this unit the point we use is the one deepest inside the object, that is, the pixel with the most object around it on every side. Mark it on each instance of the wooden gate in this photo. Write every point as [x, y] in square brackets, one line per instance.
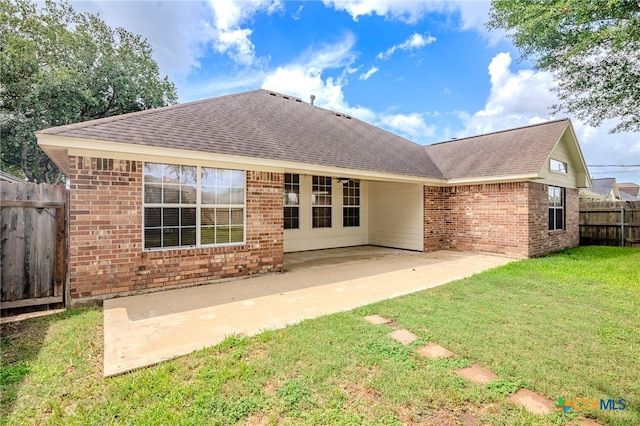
[611, 223]
[32, 244]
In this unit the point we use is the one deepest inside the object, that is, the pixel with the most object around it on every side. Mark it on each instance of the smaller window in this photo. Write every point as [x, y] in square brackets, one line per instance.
[557, 166]
[351, 203]
[291, 201]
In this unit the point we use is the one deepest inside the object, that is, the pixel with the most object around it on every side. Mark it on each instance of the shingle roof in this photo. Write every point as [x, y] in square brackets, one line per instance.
[630, 188]
[263, 124]
[602, 186]
[509, 152]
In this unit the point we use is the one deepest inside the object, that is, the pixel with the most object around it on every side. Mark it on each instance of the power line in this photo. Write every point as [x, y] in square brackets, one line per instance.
[613, 165]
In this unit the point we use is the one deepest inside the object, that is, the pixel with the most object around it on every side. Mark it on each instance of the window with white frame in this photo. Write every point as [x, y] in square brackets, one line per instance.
[321, 202]
[351, 203]
[557, 166]
[556, 208]
[291, 201]
[189, 206]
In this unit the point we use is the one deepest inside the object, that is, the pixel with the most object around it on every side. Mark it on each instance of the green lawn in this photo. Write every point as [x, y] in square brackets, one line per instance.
[566, 325]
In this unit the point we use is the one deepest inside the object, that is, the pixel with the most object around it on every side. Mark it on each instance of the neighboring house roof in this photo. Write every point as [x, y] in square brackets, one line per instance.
[624, 196]
[605, 187]
[630, 188]
[523, 150]
[6, 177]
[286, 133]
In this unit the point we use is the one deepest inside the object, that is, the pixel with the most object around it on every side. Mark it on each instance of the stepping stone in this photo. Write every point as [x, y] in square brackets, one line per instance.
[377, 319]
[403, 336]
[477, 374]
[532, 402]
[434, 351]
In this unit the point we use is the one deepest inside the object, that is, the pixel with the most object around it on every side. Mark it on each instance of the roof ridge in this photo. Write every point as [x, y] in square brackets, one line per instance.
[501, 131]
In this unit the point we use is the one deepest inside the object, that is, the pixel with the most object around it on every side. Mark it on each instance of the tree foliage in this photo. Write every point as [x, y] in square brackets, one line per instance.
[59, 67]
[592, 46]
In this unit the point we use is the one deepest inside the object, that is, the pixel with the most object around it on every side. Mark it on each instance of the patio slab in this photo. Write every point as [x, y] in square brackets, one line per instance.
[146, 329]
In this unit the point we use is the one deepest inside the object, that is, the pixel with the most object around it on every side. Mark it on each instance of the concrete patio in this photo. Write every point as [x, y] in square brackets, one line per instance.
[146, 329]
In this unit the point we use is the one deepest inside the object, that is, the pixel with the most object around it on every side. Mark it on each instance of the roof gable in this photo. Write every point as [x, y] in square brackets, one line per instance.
[520, 151]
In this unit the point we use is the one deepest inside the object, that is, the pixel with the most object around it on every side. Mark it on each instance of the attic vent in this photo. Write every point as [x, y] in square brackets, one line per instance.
[286, 97]
[272, 94]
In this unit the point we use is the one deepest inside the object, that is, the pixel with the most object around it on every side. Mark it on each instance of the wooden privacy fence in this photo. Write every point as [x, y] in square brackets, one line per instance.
[610, 223]
[32, 244]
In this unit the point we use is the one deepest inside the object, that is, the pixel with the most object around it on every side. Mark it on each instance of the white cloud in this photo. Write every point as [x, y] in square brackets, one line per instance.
[178, 31]
[416, 41]
[304, 78]
[407, 11]
[231, 38]
[524, 97]
[411, 126]
[369, 73]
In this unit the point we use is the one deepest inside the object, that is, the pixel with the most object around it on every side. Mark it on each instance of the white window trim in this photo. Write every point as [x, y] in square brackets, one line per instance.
[198, 206]
[562, 172]
[344, 206]
[562, 207]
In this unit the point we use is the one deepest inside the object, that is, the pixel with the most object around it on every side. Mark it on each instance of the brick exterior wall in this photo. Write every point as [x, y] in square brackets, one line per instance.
[105, 234]
[541, 240]
[434, 226]
[502, 218]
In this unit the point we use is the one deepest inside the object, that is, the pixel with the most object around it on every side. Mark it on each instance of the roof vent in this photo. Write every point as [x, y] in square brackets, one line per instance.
[313, 98]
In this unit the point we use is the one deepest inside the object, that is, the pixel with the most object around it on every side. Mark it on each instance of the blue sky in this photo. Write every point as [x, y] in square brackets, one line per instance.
[425, 70]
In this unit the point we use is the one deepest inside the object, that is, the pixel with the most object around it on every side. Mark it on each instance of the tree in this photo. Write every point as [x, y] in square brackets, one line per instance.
[592, 46]
[59, 67]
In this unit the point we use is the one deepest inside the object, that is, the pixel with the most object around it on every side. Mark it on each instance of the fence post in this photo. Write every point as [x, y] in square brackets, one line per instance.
[622, 226]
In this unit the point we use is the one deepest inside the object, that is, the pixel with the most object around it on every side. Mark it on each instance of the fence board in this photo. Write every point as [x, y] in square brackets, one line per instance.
[32, 243]
[615, 223]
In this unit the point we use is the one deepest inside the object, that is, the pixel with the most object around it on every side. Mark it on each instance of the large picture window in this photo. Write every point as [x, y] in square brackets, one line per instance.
[556, 208]
[189, 206]
[291, 201]
[351, 203]
[321, 202]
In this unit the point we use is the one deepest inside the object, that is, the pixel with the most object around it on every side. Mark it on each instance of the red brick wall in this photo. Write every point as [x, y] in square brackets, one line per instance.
[503, 218]
[434, 227]
[490, 218]
[541, 240]
[105, 231]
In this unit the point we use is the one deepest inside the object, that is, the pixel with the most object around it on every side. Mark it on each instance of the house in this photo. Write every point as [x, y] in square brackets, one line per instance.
[608, 190]
[224, 187]
[630, 188]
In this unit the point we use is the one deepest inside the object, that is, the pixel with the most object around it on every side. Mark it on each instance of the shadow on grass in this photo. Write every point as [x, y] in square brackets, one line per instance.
[20, 345]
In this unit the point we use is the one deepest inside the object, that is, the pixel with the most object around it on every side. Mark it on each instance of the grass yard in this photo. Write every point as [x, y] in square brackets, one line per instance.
[566, 325]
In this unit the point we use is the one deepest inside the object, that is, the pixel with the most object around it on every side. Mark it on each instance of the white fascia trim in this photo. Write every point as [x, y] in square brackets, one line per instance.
[492, 179]
[125, 151]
